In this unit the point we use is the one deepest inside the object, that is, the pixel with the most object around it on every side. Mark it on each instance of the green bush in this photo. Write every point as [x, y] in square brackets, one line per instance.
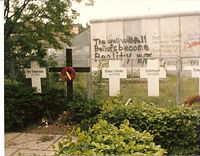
[54, 101]
[107, 139]
[22, 106]
[175, 130]
[84, 111]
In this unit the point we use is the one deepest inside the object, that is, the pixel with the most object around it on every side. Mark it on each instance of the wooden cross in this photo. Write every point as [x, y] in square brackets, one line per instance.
[77, 69]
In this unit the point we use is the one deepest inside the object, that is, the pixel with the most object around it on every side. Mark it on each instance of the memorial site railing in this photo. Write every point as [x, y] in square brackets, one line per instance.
[179, 84]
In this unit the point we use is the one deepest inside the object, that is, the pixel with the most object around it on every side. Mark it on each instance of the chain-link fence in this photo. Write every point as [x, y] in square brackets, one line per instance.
[181, 80]
[178, 84]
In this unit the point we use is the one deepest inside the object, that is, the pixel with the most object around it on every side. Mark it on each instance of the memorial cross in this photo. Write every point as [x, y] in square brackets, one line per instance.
[196, 73]
[35, 73]
[153, 72]
[114, 73]
[69, 62]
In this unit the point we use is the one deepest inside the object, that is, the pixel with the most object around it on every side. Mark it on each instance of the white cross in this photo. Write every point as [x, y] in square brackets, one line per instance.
[196, 73]
[153, 72]
[35, 73]
[114, 73]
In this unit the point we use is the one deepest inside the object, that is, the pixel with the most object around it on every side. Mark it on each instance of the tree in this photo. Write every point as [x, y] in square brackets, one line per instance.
[82, 29]
[32, 26]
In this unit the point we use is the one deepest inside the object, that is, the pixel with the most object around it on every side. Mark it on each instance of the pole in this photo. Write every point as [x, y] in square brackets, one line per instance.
[69, 83]
[179, 81]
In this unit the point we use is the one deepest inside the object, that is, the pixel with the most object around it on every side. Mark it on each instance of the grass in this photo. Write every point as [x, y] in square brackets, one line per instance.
[137, 88]
[168, 90]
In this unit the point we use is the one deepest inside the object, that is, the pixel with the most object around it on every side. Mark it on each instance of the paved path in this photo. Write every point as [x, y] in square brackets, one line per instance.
[29, 144]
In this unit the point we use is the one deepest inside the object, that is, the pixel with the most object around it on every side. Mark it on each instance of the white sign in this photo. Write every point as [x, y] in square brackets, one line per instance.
[35, 73]
[114, 73]
[153, 72]
[196, 73]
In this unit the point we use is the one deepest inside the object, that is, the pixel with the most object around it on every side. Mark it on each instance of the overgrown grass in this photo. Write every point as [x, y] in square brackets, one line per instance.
[168, 90]
[137, 88]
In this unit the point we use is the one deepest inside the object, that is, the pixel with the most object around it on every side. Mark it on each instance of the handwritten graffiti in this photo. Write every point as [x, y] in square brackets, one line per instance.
[139, 47]
[192, 40]
[193, 37]
[142, 59]
[116, 55]
[168, 42]
[192, 44]
[119, 48]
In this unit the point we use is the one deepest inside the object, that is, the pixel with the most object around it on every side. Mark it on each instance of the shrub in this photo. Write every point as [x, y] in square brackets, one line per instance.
[54, 101]
[175, 130]
[22, 106]
[84, 111]
[107, 139]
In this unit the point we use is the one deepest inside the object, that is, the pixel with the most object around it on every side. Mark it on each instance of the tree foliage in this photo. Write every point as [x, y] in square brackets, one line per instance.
[32, 26]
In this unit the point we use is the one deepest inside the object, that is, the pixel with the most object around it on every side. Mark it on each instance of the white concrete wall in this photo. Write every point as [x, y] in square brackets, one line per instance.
[167, 36]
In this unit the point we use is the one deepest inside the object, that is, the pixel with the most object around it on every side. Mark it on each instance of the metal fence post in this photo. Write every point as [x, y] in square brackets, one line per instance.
[132, 77]
[179, 81]
[89, 82]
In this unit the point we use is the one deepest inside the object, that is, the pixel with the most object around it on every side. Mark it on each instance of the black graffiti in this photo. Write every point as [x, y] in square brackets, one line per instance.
[104, 48]
[99, 41]
[114, 55]
[119, 47]
[129, 39]
[142, 59]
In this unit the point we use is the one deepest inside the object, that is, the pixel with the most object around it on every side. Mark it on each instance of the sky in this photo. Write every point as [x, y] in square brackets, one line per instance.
[128, 8]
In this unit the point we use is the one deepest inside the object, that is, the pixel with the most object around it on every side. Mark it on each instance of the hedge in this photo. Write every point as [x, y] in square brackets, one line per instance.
[84, 111]
[23, 106]
[175, 129]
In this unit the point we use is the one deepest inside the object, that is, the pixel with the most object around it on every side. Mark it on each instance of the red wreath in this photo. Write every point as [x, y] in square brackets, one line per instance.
[68, 73]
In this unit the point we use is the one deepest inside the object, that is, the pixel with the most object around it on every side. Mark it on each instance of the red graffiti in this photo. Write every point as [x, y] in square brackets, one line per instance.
[192, 44]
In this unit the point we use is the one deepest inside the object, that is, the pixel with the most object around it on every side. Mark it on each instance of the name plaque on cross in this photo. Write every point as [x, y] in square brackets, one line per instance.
[35, 73]
[114, 73]
[196, 73]
[153, 72]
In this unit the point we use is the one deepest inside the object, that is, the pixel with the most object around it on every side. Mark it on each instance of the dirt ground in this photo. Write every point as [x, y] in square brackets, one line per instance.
[49, 129]
[60, 126]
